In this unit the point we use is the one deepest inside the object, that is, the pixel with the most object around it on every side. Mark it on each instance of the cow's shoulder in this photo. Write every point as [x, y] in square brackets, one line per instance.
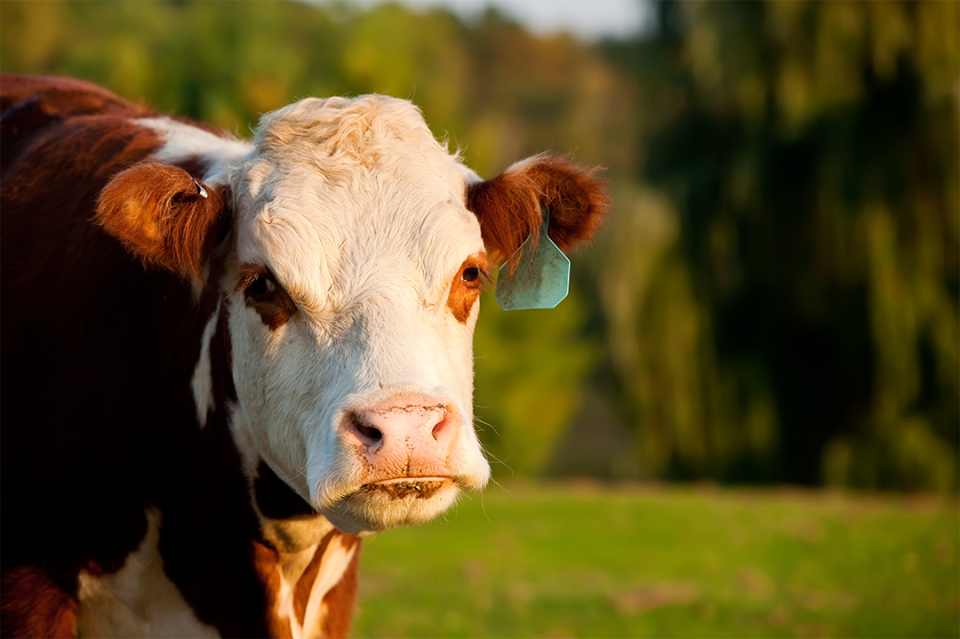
[59, 97]
[139, 599]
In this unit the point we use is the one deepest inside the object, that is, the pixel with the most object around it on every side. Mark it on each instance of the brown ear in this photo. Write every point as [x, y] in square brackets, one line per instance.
[164, 216]
[509, 205]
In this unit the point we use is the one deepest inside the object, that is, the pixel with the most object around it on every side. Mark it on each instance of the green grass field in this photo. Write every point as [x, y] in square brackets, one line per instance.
[580, 561]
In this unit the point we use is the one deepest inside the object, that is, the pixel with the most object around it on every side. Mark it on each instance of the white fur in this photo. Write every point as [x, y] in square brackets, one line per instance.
[360, 214]
[139, 600]
[202, 382]
[246, 446]
[182, 141]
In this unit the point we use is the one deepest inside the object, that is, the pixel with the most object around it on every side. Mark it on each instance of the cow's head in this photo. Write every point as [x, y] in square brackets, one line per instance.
[351, 248]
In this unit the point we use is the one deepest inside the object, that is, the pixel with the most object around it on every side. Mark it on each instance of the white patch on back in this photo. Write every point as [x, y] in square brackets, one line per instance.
[182, 141]
[139, 600]
[202, 382]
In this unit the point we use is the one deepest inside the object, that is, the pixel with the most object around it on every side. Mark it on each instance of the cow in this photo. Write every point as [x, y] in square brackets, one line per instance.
[225, 361]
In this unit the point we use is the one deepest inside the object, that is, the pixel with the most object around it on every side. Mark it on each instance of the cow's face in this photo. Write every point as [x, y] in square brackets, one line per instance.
[352, 301]
[351, 283]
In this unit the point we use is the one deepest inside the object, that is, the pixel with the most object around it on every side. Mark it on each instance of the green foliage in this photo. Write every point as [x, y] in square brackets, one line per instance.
[521, 416]
[803, 325]
[632, 562]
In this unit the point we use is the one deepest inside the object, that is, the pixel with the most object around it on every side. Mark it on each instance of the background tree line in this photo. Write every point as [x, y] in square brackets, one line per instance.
[776, 297]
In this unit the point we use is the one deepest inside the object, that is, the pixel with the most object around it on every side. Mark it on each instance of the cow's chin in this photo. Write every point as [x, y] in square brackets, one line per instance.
[387, 504]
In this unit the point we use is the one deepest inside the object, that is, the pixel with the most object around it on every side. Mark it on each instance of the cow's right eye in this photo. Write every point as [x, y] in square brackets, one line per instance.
[264, 295]
[261, 285]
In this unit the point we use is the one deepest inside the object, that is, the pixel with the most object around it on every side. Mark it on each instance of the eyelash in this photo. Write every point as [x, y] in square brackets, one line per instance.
[476, 276]
[262, 285]
[258, 284]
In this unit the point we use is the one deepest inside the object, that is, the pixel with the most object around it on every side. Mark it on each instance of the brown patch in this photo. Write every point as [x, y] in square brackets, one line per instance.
[266, 565]
[161, 215]
[65, 413]
[61, 97]
[342, 599]
[509, 205]
[301, 595]
[76, 156]
[339, 607]
[34, 606]
[71, 126]
[95, 338]
[401, 489]
[264, 294]
[466, 286]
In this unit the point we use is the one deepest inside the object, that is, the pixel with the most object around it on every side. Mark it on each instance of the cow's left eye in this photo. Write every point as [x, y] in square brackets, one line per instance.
[471, 274]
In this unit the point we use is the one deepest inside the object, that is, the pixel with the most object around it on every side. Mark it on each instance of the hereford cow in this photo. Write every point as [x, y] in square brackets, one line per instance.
[224, 362]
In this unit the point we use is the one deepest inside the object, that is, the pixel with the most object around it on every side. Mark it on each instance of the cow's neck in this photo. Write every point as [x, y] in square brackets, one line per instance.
[291, 574]
[310, 591]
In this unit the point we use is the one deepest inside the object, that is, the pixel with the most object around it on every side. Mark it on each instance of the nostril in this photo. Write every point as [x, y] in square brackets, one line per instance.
[370, 432]
[369, 436]
[439, 427]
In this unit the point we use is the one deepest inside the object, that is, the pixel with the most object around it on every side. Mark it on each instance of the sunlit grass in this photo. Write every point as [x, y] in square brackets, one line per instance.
[580, 561]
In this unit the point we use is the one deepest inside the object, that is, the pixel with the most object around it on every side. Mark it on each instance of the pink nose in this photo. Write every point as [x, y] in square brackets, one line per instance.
[404, 436]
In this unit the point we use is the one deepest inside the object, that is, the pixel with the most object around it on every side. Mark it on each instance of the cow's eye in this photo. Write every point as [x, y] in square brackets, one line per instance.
[261, 285]
[471, 274]
[265, 295]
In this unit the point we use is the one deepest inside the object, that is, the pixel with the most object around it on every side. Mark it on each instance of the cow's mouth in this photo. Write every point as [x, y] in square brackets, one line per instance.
[404, 487]
[387, 503]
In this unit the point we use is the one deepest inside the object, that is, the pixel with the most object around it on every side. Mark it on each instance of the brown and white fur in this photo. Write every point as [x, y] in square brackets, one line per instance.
[224, 362]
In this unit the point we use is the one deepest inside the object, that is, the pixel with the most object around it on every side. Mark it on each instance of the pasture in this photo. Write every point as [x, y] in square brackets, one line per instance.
[579, 560]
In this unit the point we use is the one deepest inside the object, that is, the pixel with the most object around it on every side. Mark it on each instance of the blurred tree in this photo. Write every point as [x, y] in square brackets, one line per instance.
[34, 35]
[531, 372]
[808, 305]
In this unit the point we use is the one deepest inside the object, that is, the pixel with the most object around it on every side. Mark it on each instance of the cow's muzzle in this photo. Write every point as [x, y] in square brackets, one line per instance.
[403, 441]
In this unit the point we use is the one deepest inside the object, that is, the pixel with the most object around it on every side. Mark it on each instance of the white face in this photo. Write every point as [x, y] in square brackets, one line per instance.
[352, 306]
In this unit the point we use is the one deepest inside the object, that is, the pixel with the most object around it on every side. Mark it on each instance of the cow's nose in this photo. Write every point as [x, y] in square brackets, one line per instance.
[412, 427]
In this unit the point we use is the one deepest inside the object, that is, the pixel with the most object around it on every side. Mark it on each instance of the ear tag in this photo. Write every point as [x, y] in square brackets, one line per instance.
[541, 279]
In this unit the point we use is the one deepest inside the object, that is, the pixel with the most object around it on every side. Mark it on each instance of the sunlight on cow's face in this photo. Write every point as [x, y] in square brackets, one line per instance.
[352, 301]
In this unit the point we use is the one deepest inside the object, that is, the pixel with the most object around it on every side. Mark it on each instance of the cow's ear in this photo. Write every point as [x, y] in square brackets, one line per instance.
[509, 206]
[164, 216]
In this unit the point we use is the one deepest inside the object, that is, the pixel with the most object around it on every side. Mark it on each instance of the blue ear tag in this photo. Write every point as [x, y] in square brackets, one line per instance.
[541, 279]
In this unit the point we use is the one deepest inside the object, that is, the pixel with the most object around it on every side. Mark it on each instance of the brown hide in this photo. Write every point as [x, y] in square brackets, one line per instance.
[98, 352]
[164, 216]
